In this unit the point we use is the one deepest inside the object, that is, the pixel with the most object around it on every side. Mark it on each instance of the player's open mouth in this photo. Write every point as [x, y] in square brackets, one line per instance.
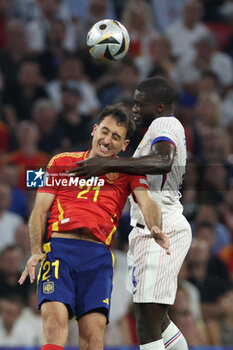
[136, 116]
[103, 149]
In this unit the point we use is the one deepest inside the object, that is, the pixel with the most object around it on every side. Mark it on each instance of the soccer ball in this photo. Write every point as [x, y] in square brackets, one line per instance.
[108, 40]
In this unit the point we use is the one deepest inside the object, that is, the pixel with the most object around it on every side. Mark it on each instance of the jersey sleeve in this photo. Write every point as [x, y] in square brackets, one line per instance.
[51, 177]
[138, 181]
[163, 129]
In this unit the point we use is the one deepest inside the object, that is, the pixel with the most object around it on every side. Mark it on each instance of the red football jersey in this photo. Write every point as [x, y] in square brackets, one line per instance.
[97, 204]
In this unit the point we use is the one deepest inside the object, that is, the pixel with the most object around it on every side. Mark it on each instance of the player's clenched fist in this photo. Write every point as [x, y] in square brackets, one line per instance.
[30, 268]
[161, 238]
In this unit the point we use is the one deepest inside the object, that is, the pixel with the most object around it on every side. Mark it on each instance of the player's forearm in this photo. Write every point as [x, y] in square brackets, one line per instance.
[152, 215]
[151, 164]
[36, 231]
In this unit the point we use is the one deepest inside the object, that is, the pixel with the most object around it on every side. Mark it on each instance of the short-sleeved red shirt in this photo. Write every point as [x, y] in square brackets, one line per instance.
[92, 205]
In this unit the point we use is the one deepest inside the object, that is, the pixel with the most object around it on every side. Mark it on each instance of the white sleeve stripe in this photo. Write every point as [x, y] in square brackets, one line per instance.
[143, 181]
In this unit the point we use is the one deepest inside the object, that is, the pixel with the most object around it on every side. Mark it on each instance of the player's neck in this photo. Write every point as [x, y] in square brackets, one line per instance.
[165, 113]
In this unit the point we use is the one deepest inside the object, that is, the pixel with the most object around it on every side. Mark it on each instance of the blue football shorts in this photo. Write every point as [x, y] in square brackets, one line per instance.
[78, 274]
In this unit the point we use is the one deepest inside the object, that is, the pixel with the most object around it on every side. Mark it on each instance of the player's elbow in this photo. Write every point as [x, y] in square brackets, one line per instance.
[166, 168]
[165, 165]
[162, 166]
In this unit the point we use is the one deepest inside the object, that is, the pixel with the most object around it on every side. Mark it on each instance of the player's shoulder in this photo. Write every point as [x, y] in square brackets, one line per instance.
[59, 158]
[166, 122]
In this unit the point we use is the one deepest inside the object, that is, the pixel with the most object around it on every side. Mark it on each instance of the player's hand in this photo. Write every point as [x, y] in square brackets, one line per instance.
[161, 238]
[90, 167]
[30, 268]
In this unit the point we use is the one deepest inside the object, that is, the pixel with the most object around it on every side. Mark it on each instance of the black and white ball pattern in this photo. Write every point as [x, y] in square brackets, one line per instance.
[108, 40]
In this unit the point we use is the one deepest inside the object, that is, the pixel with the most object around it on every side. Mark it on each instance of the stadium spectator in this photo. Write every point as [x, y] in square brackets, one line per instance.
[38, 28]
[137, 19]
[21, 239]
[215, 141]
[209, 274]
[76, 126]
[11, 260]
[9, 175]
[166, 13]
[95, 10]
[51, 134]
[184, 33]
[215, 145]
[121, 298]
[10, 117]
[28, 9]
[96, 72]
[216, 186]
[208, 112]
[204, 55]
[119, 331]
[32, 316]
[52, 57]
[208, 83]
[31, 196]
[222, 330]
[14, 330]
[122, 331]
[160, 58]
[26, 91]
[125, 80]
[205, 231]
[21, 10]
[14, 53]
[195, 332]
[207, 213]
[27, 154]
[9, 222]
[192, 291]
[72, 69]
[86, 14]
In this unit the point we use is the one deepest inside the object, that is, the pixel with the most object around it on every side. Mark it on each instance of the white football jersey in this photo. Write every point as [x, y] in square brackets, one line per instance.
[164, 188]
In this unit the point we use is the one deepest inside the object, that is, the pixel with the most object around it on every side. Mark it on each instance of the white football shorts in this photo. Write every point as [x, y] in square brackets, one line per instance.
[152, 274]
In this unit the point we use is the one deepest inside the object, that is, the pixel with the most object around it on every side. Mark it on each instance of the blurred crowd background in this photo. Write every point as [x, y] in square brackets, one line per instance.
[51, 92]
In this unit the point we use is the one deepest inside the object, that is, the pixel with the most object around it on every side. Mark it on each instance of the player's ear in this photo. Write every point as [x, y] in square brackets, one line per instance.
[125, 144]
[94, 129]
[160, 106]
